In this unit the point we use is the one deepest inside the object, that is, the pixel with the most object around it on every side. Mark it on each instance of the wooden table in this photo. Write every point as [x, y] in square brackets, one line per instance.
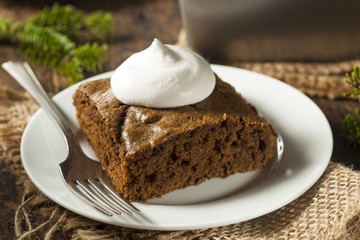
[137, 24]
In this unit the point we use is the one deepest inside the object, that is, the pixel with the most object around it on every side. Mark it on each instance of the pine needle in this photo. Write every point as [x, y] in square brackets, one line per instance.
[351, 129]
[353, 80]
[62, 38]
[62, 19]
[351, 124]
[53, 48]
[9, 30]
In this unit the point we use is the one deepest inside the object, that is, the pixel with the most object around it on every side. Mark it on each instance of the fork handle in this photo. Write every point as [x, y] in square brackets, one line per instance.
[24, 75]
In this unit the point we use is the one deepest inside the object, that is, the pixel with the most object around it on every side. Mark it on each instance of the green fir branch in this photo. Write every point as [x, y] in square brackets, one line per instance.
[89, 53]
[52, 50]
[87, 57]
[55, 38]
[62, 19]
[9, 30]
[75, 24]
[99, 25]
[351, 124]
[351, 129]
[353, 80]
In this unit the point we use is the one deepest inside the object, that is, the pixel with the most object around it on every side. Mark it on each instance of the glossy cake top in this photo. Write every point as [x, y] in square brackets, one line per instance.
[142, 128]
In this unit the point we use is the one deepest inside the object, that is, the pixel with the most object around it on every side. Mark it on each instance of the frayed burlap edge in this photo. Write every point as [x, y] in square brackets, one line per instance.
[323, 79]
[329, 210]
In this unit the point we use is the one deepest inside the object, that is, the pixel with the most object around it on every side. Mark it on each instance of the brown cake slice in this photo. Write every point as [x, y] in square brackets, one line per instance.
[148, 152]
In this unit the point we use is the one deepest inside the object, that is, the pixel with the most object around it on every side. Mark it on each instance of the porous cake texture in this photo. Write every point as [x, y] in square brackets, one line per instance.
[148, 152]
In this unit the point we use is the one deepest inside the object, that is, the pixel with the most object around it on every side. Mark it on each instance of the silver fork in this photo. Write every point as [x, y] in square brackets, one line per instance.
[84, 176]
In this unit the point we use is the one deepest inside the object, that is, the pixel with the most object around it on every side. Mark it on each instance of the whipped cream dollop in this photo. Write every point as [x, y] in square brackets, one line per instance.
[163, 76]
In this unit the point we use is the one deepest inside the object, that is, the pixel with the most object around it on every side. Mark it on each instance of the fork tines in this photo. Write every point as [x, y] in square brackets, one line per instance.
[102, 197]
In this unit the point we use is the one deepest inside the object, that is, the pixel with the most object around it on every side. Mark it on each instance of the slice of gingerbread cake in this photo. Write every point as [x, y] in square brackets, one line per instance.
[165, 121]
[148, 152]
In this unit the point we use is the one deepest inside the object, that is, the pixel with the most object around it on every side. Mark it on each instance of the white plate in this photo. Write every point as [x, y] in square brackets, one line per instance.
[308, 148]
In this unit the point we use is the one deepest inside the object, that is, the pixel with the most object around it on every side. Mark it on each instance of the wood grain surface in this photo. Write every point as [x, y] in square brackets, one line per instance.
[137, 23]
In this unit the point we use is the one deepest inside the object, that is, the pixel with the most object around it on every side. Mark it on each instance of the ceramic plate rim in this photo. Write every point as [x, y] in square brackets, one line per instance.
[147, 220]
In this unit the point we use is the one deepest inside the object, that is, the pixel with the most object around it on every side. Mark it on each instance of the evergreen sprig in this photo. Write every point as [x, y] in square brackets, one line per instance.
[9, 30]
[351, 124]
[352, 129]
[62, 38]
[83, 58]
[353, 80]
[74, 23]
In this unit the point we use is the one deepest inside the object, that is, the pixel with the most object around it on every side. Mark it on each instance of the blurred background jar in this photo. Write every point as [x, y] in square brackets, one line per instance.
[272, 30]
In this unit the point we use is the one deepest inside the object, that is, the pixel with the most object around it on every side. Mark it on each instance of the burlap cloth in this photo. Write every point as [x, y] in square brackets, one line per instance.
[329, 210]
